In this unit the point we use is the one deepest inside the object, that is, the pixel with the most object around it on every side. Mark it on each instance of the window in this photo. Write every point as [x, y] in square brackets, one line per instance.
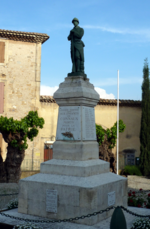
[2, 52]
[1, 97]
[129, 157]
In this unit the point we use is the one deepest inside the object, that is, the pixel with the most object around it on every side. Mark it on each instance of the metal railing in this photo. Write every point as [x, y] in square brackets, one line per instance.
[75, 218]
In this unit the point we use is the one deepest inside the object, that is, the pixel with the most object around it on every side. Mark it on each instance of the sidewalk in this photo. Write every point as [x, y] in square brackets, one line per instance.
[105, 224]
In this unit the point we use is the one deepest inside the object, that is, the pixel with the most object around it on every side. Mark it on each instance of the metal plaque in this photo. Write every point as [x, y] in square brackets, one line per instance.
[69, 123]
[88, 123]
[111, 198]
[51, 201]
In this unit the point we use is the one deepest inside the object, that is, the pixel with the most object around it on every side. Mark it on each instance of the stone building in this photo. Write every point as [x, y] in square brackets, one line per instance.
[20, 67]
[20, 72]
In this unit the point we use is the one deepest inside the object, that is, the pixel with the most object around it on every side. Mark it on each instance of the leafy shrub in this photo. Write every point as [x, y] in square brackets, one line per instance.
[141, 223]
[13, 204]
[27, 226]
[132, 170]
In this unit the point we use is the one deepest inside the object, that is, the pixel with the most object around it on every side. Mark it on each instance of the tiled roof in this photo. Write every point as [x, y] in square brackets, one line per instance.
[47, 99]
[112, 102]
[24, 36]
[128, 103]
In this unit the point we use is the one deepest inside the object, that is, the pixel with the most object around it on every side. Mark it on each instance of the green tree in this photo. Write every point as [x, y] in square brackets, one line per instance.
[107, 138]
[15, 133]
[111, 133]
[145, 123]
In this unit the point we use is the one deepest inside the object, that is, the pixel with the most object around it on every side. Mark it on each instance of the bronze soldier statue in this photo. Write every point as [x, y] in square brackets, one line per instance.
[77, 54]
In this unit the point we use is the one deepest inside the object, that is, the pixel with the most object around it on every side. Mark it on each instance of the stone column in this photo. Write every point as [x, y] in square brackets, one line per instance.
[76, 132]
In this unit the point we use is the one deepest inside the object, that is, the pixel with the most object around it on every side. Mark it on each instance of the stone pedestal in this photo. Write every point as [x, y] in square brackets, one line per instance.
[75, 182]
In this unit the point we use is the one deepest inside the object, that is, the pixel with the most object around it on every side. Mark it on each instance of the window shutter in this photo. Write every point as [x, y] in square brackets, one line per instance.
[1, 97]
[2, 51]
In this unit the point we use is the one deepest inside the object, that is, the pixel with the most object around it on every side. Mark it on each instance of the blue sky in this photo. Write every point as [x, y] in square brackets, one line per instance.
[116, 36]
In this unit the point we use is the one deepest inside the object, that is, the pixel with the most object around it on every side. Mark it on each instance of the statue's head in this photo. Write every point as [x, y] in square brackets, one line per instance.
[75, 21]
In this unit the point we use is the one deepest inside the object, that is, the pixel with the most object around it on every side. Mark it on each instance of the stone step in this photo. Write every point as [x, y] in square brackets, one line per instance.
[76, 150]
[75, 168]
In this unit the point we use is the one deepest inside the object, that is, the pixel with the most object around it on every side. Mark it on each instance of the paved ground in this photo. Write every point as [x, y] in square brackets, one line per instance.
[102, 225]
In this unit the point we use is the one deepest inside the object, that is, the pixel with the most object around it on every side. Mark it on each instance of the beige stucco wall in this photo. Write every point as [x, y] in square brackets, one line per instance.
[21, 75]
[107, 115]
[49, 111]
[129, 139]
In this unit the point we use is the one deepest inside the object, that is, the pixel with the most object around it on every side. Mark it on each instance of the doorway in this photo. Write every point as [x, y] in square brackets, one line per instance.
[48, 152]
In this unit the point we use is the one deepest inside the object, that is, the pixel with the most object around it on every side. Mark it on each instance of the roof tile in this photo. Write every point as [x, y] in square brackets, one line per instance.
[135, 103]
[24, 36]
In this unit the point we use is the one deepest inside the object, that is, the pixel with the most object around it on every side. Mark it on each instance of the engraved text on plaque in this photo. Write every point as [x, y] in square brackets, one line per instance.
[111, 198]
[51, 201]
[88, 123]
[69, 123]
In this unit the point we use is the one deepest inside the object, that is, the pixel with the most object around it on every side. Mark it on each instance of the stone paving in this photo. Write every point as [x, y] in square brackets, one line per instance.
[105, 224]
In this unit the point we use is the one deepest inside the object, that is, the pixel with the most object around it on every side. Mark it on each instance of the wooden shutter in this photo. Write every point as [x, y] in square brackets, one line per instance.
[48, 154]
[2, 51]
[1, 97]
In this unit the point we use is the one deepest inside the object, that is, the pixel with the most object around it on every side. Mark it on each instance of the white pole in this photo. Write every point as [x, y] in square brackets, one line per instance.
[118, 126]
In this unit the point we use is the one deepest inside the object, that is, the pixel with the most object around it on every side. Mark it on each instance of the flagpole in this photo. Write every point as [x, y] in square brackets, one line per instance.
[118, 127]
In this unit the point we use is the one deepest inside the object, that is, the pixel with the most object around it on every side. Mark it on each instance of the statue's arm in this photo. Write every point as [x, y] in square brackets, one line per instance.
[79, 33]
[69, 37]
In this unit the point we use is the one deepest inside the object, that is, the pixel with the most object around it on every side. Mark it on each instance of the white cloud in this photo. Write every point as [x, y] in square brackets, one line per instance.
[131, 31]
[106, 29]
[46, 90]
[145, 32]
[103, 94]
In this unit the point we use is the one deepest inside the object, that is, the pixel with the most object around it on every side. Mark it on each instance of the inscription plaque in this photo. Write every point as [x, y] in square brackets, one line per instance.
[69, 123]
[111, 198]
[88, 123]
[51, 201]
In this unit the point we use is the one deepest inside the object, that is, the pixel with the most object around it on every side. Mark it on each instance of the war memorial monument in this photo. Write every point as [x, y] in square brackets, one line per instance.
[75, 182]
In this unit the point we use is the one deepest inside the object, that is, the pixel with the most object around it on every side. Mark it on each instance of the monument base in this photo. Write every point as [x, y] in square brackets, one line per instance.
[77, 74]
[75, 182]
[76, 195]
